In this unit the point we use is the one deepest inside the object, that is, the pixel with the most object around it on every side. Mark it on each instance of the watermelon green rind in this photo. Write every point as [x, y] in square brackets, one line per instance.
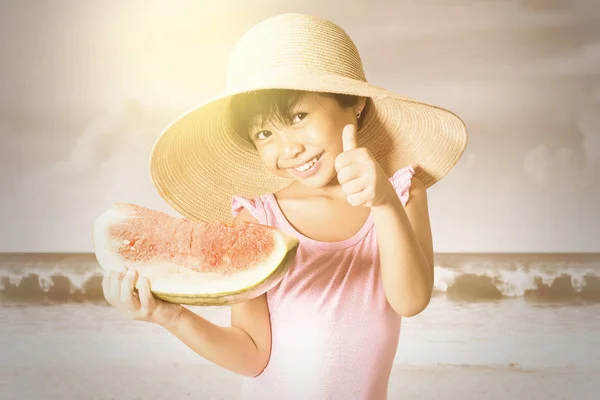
[175, 283]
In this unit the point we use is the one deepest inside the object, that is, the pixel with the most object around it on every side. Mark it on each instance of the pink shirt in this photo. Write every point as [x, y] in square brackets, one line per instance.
[334, 336]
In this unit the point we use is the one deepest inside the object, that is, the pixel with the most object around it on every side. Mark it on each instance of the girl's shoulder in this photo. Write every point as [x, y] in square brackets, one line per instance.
[255, 206]
[262, 207]
[401, 181]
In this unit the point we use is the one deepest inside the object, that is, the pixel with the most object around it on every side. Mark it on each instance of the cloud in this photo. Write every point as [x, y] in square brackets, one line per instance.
[54, 207]
[560, 168]
[470, 161]
[100, 141]
[465, 170]
[537, 165]
[589, 126]
[571, 167]
[7, 171]
[581, 60]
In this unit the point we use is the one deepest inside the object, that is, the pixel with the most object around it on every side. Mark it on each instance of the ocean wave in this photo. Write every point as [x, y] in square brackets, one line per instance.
[79, 279]
[565, 287]
[536, 278]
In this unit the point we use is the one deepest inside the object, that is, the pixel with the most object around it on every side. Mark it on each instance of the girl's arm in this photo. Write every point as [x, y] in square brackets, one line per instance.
[244, 347]
[403, 234]
[406, 250]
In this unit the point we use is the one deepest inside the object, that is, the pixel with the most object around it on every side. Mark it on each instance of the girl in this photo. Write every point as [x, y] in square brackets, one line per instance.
[302, 142]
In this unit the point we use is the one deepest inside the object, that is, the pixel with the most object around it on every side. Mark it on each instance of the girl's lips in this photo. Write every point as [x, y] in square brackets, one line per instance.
[312, 170]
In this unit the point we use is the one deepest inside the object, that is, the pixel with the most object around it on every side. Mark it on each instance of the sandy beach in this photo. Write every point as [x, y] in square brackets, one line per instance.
[212, 383]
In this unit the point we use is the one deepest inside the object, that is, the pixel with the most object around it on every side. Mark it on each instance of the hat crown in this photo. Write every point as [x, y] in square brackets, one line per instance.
[294, 43]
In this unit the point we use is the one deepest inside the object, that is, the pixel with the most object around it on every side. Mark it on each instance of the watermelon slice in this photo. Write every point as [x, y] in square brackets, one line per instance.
[194, 263]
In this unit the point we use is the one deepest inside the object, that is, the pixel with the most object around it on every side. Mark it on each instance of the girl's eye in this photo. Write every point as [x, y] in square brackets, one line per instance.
[299, 117]
[262, 135]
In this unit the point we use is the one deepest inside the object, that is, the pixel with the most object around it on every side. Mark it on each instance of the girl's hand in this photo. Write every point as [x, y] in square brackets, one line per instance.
[362, 179]
[120, 291]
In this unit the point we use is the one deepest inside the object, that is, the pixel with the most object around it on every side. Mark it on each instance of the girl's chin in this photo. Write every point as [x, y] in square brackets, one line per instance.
[323, 178]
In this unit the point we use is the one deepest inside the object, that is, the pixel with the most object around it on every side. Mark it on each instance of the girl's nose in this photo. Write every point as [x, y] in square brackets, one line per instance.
[289, 147]
[290, 150]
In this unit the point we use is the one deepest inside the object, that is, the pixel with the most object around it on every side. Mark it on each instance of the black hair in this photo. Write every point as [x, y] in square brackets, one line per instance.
[275, 105]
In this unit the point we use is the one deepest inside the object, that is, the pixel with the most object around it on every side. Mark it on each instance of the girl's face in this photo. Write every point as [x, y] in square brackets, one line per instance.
[305, 149]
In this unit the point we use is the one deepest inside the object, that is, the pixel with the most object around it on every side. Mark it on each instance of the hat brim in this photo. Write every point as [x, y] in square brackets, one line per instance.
[198, 162]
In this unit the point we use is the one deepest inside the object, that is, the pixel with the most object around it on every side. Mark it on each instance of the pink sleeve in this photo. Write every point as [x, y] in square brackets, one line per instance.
[401, 181]
[253, 205]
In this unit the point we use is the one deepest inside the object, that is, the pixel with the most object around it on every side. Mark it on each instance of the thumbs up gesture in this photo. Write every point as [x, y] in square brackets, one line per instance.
[362, 179]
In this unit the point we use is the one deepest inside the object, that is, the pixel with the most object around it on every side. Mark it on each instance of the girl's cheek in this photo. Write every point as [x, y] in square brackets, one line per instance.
[268, 154]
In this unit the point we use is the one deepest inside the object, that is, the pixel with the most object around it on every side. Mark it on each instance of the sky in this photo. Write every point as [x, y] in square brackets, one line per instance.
[87, 87]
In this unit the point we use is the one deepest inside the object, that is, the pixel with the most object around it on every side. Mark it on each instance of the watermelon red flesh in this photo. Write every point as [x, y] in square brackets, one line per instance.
[203, 247]
[194, 263]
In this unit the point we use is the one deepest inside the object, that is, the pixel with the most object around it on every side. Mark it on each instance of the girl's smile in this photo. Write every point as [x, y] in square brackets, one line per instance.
[309, 168]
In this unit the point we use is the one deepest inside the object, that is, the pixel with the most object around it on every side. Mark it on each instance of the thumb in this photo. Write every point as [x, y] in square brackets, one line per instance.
[349, 141]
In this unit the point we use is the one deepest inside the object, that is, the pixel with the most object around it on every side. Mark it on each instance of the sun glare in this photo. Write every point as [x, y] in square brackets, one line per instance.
[171, 54]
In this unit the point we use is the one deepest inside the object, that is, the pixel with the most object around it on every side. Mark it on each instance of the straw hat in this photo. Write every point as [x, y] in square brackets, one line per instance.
[198, 162]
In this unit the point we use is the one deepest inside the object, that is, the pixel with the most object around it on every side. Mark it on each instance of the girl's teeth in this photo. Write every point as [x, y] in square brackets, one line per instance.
[307, 165]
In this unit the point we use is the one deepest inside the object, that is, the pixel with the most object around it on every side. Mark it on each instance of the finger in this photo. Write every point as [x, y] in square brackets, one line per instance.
[353, 186]
[147, 300]
[347, 159]
[361, 198]
[348, 173]
[115, 287]
[106, 281]
[349, 140]
[342, 161]
[127, 288]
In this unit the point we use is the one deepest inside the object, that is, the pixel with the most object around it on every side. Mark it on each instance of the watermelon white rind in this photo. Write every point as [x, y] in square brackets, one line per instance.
[228, 298]
[175, 271]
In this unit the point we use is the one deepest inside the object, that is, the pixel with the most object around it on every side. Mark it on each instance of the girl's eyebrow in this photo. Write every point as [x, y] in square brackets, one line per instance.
[256, 125]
